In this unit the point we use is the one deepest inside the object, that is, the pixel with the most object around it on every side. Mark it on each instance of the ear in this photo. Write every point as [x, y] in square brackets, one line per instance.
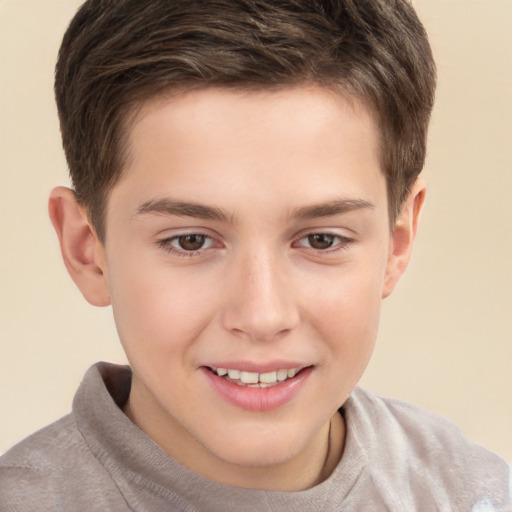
[402, 236]
[82, 252]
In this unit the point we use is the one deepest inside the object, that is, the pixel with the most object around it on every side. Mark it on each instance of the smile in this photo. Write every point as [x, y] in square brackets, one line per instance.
[257, 391]
[254, 379]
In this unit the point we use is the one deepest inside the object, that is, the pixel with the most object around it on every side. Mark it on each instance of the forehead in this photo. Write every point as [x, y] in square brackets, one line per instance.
[296, 142]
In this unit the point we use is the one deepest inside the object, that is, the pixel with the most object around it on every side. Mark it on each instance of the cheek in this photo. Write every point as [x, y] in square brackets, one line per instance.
[156, 310]
[345, 312]
[349, 317]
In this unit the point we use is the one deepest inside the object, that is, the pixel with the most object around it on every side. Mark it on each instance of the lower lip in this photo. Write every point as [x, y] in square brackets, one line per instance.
[258, 399]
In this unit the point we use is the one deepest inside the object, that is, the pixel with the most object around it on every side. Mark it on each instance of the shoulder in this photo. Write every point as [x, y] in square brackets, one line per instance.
[49, 470]
[406, 443]
[423, 433]
[45, 446]
[29, 469]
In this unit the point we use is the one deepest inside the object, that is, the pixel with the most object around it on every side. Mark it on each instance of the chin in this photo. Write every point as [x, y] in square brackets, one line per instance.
[259, 450]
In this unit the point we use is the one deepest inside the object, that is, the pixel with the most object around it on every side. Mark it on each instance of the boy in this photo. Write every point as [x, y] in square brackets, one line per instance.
[246, 193]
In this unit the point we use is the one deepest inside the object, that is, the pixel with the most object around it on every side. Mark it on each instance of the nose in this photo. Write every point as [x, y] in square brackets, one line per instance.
[262, 304]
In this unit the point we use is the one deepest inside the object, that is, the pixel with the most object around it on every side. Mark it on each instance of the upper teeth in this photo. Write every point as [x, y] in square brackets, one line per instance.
[258, 378]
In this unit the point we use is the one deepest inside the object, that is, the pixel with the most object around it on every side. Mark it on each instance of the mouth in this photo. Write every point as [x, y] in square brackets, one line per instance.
[254, 379]
[266, 390]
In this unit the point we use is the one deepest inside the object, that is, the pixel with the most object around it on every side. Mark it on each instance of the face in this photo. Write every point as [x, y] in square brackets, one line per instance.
[246, 257]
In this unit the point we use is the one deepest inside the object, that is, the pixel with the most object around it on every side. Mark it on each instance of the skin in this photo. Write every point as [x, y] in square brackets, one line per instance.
[260, 172]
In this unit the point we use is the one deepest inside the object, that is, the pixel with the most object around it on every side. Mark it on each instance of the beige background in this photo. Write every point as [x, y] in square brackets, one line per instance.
[446, 337]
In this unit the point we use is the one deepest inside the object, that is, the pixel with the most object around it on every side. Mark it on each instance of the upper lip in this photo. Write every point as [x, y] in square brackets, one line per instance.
[251, 366]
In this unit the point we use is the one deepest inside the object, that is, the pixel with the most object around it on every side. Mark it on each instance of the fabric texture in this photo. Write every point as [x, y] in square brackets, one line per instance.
[397, 458]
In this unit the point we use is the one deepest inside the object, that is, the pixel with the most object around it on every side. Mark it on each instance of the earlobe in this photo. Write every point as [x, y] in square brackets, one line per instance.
[402, 237]
[82, 252]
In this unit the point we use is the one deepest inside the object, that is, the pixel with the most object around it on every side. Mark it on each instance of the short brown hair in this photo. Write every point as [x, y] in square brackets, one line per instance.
[117, 53]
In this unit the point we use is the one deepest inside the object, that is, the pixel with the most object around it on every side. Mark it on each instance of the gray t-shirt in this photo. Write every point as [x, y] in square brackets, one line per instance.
[396, 458]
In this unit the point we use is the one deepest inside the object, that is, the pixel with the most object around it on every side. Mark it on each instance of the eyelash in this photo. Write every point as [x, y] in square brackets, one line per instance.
[166, 245]
[342, 244]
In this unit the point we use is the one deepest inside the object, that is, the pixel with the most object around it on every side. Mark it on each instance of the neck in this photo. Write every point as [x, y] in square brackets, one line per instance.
[311, 466]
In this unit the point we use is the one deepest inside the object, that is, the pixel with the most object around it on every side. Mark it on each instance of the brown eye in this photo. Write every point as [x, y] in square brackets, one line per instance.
[191, 242]
[321, 241]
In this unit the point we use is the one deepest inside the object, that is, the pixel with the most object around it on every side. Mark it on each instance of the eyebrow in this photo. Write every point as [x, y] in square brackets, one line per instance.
[168, 206]
[331, 208]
